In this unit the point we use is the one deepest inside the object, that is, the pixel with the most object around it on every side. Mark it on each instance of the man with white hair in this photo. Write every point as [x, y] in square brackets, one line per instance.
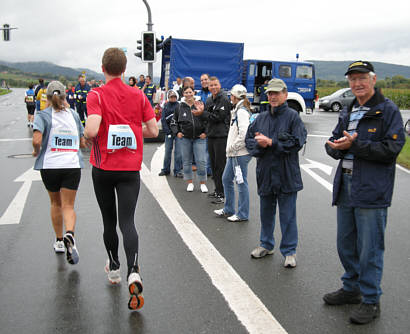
[366, 141]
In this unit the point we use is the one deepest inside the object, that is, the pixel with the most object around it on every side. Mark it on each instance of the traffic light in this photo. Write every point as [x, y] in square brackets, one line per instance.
[148, 47]
[6, 32]
[139, 47]
[159, 44]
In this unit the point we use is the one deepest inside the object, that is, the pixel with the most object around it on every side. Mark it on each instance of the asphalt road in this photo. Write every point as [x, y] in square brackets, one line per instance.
[197, 271]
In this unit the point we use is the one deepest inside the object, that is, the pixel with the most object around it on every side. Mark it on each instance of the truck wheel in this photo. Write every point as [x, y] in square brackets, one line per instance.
[336, 107]
[295, 105]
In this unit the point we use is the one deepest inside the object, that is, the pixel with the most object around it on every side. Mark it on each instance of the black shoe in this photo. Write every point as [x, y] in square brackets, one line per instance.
[213, 195]
[179, 175]
[218, 200]
[163, 173]
[342, 297]
[365, 313]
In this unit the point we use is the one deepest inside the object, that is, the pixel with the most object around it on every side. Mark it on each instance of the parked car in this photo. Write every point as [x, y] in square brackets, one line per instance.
[337, 100]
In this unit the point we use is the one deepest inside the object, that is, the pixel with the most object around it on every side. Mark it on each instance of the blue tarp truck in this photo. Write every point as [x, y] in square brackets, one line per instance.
[186, 57]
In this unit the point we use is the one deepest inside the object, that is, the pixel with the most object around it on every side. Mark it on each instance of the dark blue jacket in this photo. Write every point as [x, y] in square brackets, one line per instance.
[380, 139]
[70, 97]
[277, 166]
[204, 94]
[83, 92]
[167, 115]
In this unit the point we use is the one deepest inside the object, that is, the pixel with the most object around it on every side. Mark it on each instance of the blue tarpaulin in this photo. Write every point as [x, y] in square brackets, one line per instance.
[192, 58]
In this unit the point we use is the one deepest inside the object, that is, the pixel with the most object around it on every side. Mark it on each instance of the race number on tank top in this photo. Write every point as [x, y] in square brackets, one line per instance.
[65, 140]
[121, 136]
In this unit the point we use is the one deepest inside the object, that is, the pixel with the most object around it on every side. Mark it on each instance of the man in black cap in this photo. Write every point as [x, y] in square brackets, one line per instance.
[366, 140]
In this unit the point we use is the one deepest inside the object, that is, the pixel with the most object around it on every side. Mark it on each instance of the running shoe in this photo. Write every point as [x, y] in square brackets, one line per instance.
[59, 246]
[136, 301]
[114, 276]
[71, 249]
[190, 187]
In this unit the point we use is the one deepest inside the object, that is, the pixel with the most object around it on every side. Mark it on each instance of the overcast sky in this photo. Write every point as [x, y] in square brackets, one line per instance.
[76, 33]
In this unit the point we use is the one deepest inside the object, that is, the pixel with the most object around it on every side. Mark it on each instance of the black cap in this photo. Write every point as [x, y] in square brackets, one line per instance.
[360, 66]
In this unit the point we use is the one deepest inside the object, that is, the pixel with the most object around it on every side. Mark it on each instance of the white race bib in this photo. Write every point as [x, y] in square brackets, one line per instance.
[64, 141]
[120, 136]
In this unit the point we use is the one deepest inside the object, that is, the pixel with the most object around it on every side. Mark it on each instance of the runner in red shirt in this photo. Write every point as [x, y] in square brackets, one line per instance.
[115, 115]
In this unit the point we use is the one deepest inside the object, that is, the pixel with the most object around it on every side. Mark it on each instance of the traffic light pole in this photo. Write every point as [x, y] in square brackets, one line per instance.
[149, 25]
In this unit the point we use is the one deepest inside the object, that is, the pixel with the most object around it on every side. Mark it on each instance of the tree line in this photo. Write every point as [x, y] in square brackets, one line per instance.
[396, 82]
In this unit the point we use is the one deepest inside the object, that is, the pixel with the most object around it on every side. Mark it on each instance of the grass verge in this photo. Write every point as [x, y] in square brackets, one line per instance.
[404, 157]
[4, 91]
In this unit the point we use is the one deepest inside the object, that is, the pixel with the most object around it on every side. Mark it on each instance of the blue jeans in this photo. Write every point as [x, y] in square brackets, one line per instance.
[228, 180]
[208, 160]
[169, 145]
[190, 147]
[360, 244]
[287, 219]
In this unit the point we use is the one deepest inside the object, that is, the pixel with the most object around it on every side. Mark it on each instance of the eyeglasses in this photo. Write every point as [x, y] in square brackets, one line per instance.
[359, 79]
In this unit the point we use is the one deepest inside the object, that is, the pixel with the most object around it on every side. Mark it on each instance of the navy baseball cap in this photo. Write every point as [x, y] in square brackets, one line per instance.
[360, 66]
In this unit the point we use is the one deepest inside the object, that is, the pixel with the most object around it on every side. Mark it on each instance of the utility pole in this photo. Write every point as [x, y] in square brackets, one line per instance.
[149, 25]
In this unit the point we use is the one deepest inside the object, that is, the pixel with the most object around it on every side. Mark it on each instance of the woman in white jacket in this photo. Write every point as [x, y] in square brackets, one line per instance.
[236, 168]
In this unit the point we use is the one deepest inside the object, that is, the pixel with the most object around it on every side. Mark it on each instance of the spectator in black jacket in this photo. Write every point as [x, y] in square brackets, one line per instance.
[218, 113]
[171, 139]
[189, 124]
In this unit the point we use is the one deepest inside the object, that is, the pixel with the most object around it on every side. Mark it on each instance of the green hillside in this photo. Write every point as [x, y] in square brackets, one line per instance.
[335, 70]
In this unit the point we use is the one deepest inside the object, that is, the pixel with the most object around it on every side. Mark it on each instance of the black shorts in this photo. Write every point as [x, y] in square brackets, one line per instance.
[55, 179]
[31, 109]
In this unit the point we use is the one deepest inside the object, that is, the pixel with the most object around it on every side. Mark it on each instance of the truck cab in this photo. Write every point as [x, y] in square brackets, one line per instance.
[298, 76]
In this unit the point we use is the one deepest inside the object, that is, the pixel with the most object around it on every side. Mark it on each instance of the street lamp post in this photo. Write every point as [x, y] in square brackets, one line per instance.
[149, 25]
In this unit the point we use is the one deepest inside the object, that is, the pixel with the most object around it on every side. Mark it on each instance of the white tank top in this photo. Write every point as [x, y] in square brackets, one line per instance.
[63, 143]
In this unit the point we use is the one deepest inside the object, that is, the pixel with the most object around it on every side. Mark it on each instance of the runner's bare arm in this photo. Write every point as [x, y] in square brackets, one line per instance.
[150, 130]
[37, 139]
[92, 126]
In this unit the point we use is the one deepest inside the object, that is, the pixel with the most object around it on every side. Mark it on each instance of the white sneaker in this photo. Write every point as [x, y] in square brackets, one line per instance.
[290, 261]
[204, 188]
[135, 288]
[235, 219]
[260, 251]
[190, 187]
[59, 246]
[71, 249]
[114, 276]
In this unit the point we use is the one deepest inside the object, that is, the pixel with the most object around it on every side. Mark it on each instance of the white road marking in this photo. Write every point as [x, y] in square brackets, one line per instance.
[15, 139]
[397, 165]
[315, 164]
[13, 213]
[403, 169]
[320, 136]
[248, 308]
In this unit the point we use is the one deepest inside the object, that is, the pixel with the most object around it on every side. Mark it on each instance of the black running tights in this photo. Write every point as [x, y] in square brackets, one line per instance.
[126, 184]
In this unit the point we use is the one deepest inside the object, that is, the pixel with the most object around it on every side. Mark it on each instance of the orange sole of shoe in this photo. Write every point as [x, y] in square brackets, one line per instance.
[135, 288]
[136, 302]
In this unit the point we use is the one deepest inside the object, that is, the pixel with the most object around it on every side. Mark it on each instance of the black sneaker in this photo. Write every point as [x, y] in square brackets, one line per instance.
[162, 173]
[213, 195]
[342, 297]
[365, 313]
[179, 175]
[218, 200]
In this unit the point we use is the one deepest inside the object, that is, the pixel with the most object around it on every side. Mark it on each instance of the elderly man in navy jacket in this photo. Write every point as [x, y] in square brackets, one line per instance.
[275, 138]
[366, 140]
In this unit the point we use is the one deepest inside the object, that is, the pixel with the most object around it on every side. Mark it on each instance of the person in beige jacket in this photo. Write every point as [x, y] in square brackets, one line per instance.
[236, 168]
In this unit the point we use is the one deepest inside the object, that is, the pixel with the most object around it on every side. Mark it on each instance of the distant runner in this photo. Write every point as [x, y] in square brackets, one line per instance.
[30, 100]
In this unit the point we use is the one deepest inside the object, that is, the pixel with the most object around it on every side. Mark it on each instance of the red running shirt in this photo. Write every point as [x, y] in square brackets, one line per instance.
[118, 104]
